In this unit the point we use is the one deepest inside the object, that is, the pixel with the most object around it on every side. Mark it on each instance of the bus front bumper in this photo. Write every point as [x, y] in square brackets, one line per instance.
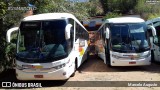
[61, 74]
[139, 62]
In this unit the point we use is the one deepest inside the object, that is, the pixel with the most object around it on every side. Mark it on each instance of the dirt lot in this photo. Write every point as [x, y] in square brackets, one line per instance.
[96, 70]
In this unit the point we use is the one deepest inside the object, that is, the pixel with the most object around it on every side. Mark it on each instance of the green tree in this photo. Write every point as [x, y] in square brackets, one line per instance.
[118, 6]
[147, 9]
[94, 7]
[112, 15]
[80, 9]
[8, 18]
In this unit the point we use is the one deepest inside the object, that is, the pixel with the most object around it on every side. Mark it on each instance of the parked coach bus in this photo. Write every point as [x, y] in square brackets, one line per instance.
[124, 41]
[155, 41]
[50, 46]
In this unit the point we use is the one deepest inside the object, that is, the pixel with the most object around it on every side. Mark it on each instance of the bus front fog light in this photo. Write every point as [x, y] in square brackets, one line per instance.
[64, 73]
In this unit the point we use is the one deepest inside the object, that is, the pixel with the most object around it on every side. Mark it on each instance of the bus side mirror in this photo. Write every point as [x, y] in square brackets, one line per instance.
[9, 34]
[107, 33]
[68, 31]
[153, 30]
[155, 39]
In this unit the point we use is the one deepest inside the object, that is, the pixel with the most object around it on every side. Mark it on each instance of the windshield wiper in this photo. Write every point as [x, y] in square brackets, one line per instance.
[135, 41]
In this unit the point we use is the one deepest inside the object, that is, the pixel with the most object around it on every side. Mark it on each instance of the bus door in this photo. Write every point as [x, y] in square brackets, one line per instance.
[156, 48]
[156, 42]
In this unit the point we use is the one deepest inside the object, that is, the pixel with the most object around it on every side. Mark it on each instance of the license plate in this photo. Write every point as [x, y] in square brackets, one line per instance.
[38, 76]
[132, 62]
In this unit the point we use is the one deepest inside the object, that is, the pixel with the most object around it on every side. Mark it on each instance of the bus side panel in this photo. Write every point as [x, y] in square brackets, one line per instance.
[81, 43]
[100, 45]
[81, 51]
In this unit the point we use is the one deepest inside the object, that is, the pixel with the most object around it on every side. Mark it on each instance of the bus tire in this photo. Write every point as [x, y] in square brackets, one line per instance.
[109, 65]
[88, 56]
[108, 60]
[75, 68]
[152, 56]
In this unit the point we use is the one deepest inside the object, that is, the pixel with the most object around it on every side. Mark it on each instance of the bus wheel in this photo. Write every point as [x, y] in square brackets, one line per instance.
[152, 56]
[109, 65]
[108, 61]
[75, 68]
[88, 56]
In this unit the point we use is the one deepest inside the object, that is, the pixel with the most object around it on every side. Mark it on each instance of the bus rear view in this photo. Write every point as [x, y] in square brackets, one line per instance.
[127, 42]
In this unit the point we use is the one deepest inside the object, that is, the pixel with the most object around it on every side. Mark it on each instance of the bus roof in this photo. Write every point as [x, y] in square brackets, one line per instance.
[153, 20]
[47, 16]
[125, 20]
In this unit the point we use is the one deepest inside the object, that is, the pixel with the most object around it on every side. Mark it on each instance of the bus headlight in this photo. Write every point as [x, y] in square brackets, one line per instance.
[147, 55]
[19, 67]
[115, 56]
[60, 66]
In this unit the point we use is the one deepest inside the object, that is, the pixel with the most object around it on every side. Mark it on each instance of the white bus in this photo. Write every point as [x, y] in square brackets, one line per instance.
[50, 46]
[155, 41]
[124, 41]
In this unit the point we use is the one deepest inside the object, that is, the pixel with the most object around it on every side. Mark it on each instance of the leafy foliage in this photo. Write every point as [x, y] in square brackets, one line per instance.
[118, 6]
[8, 19]
[154, 15]
[112, 15]
[80, 9]
[147, 10]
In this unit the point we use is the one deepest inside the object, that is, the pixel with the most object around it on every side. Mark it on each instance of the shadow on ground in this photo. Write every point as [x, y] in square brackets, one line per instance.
[95, 64]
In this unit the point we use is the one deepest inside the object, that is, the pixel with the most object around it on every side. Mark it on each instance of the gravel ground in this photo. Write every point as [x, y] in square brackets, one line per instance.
[96, 70]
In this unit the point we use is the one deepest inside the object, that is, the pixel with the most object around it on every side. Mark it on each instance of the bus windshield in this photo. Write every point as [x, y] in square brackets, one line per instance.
[41, 41]
[129, 37]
